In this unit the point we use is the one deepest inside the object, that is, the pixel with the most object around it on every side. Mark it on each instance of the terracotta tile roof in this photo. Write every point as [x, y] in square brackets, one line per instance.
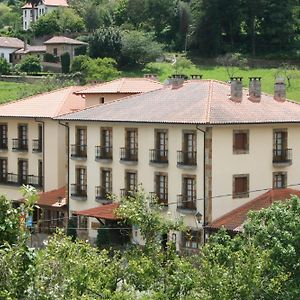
[63, 40]
[49, 3]
[10, 42]
[124, 86]
[46, 105]
[234, 220]
[54, 198]
[196, 102]
[31, 49]
[105, 212]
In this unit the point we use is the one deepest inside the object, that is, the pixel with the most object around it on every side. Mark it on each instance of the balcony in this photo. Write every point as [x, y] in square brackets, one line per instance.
[129, 155]
[158, 156]
[20, 145]
[37, 146]
[187, 159]
[103, 195]
[3, 144]
[185, 202]
[160, 198]
[78, 152]
[79, 191]
[103, 153]
[17, 180]
[127, 193]
[282, 157]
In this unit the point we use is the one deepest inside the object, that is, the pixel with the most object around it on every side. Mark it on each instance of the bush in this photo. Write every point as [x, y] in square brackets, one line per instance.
[4, 66]
[30, 64]
[139, 48]
[48, 57]
[80, 63]
[65, 62]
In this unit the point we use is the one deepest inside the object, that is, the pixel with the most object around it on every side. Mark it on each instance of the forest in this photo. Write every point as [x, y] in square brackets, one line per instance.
[208, 28]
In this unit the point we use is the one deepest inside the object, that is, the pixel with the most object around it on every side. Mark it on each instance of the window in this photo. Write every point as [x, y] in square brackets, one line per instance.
[161, 187]
[131, 181]
[130, 152]
[81, 137]
[106, 139]
[3, 136]
[22, 171]
[80, 147]
[188, 155]
[80, 222]
[279, 180]
[240, 141]
[101, 100]
[81, 177]
[187, 200]
[241, 186]
[55, 51]
[106, 181]
[191, 239]
[3, 170]
[22, 136]
[160, 153]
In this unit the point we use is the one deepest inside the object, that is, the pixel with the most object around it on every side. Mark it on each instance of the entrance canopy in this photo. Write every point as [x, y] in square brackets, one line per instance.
[106, 212]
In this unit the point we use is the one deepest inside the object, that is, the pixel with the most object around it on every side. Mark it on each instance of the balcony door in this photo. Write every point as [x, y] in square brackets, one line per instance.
[22, 171]
[40, 173]
[3, 170]
[189, 146]
[189, 192]
[162, 187]
[162, 144]
[131, 181]
[22, 136]
[106, 181]
[81, 180]
[81, 140]
[106, 141]
[131, 142]
[3, 136]
[280, 143]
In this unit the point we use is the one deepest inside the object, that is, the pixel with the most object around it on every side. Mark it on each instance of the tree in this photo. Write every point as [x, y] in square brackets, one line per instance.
[46, 25]
[232, 61]
[65, 62]
[139, 48]
[105, 42]
[30, 64]
[4, 66]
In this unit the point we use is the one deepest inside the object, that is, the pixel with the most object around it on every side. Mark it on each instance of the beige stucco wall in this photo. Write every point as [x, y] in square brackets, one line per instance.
[258, 163]
[145, 172]
[61, 48]
[55, 158]
[95, 99]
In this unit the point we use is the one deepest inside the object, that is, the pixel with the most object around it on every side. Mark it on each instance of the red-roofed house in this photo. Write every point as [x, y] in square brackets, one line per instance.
[204, 147]
[33, 147]
[43, 7]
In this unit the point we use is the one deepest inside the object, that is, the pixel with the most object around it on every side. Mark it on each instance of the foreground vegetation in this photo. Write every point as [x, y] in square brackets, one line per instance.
[261, 263]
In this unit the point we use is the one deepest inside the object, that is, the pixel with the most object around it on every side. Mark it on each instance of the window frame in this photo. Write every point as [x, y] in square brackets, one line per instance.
[235, 150]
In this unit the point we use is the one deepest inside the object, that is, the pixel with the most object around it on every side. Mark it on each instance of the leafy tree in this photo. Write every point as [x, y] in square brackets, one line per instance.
[79, 63]
[30, 64]
[139, 48]
[4, 66]
[65, 62]
[46, 25]
[232, 61]
[105, 42]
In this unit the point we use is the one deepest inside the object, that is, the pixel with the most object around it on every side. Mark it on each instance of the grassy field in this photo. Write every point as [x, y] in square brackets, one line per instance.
[163, 70]
[11, 91]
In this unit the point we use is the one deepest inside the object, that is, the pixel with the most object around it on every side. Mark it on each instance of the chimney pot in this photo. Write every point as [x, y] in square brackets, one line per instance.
[279, 90]
[255, 89]
[236, 89]
[196, 76]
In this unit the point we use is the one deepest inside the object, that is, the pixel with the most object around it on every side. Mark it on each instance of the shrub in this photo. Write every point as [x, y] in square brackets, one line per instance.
[65, 62]
[4, 66]
[48, 57]
[30, 64]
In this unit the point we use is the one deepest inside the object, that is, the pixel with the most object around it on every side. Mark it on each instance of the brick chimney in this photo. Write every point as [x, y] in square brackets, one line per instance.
[236, 89]
[255, 89]
[279, 90]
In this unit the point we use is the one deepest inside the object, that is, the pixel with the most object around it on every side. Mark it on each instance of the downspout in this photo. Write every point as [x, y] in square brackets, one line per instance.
[68, 164]
[204, 187]
[43, 153]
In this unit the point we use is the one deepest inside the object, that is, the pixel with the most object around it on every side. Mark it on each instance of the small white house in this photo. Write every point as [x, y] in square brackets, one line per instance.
[9, 45]
[44, 6]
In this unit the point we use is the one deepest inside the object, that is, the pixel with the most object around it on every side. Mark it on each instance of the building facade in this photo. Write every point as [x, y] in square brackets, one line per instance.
[203, 147]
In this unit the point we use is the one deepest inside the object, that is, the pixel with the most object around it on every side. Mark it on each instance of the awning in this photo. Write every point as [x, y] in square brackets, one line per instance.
[106, 212]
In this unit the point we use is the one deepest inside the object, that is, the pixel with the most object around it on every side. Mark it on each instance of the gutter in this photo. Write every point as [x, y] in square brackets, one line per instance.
[204, 189]
[68, 163]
